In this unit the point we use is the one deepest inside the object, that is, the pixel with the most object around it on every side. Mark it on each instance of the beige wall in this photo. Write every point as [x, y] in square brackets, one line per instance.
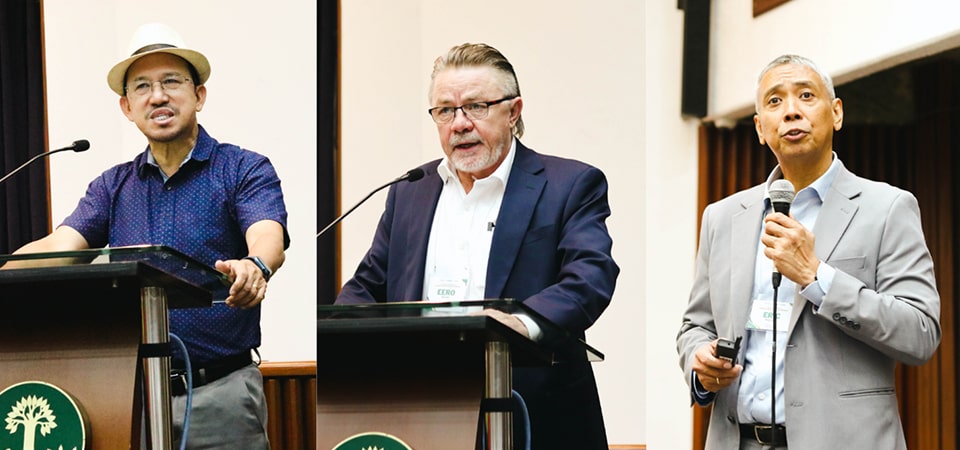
[261, 95]
[848, 39]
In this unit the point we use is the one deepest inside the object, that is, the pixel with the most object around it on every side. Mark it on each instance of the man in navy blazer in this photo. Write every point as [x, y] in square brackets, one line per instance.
[494, 219]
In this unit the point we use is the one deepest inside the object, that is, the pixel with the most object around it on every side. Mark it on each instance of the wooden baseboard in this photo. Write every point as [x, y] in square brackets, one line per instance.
[288, 368]
[291, 392]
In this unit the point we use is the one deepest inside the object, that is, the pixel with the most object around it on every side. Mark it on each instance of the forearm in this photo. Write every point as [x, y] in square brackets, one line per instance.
[887, 298]
[62, 239]
[265, 240]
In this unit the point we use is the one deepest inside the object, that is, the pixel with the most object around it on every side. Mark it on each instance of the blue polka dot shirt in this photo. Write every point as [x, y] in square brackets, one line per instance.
[203, 210]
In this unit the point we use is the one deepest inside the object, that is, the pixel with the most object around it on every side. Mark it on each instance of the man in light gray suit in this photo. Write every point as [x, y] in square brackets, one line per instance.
[857, 293]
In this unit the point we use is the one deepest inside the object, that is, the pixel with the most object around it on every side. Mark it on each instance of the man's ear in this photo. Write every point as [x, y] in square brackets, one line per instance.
[515, 110]
[756, 124]
[837, 114]
[201, 93]
[125, 107]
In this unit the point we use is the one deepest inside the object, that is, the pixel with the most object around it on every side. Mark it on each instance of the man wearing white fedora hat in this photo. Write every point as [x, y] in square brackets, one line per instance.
[216, 202]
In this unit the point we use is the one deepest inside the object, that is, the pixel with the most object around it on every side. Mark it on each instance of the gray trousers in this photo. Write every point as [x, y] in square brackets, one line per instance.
[227, 414]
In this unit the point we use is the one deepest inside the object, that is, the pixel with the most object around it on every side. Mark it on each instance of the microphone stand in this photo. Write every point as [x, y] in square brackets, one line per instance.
[411, 175]
[78, 146]
[338, 219]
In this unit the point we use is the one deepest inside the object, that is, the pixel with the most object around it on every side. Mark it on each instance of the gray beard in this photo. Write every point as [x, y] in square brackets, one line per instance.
[477, 164]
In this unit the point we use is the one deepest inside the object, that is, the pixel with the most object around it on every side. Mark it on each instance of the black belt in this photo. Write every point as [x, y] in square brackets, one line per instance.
[210, 372]
[775, 435]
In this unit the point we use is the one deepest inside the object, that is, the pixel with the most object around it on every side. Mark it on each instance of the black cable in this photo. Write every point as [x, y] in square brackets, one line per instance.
[773, 368]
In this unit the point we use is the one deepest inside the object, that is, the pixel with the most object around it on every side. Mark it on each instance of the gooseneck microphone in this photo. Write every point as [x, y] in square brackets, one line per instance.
[411, 176]
[77, 146]
[782, 193]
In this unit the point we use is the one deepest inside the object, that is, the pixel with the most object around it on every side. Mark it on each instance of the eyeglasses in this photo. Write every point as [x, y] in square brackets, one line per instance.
[167, 84]
[475, 111]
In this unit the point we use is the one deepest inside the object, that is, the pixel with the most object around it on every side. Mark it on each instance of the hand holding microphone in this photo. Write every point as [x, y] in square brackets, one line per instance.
[782, 194]
[789, 243]
[781, 197]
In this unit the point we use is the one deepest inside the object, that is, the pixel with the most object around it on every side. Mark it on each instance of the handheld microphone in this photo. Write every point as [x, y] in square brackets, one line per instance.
[781, 196]
[782, 193]
[411, 176]
[77, 146]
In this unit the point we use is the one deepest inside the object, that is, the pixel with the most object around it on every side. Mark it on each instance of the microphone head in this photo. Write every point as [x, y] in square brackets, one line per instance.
[414, 174]
[781, 195]
[81, 145]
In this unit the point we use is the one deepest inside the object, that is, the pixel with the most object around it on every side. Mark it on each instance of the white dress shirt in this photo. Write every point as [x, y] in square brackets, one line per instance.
[461, 235]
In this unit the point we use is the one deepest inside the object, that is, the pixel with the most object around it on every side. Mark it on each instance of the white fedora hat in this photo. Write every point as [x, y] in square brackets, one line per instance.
[157, 38]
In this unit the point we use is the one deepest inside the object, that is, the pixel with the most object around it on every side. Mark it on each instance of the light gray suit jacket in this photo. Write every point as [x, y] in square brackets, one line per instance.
[882, 307]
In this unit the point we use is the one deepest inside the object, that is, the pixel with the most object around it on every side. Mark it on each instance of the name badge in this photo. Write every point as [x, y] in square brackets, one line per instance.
[761, 315]
[446, 289]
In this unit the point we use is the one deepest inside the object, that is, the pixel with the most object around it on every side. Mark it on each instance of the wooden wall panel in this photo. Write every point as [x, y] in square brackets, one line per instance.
[291, 392]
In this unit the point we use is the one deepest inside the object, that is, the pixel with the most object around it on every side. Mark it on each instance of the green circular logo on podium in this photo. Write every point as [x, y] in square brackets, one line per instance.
[41, 416]
[372, 441]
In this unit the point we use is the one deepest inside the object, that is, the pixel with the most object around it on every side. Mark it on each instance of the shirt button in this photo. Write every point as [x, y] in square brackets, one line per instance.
[169, 188]
[762, 396]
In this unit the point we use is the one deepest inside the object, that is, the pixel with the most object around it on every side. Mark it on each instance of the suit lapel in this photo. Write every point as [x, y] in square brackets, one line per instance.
[744, 259]
[520, 198]
[417, 220]
[834, 218]
[836, 213]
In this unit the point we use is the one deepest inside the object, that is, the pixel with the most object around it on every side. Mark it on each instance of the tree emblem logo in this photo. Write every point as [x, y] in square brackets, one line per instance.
[372, 441]
[41, 416]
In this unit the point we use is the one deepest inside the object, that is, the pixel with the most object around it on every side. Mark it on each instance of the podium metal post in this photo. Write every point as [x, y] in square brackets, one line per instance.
[498, 385]
[155, 327]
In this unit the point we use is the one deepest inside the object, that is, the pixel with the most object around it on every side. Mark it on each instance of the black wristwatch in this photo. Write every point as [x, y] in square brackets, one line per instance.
[263, 267]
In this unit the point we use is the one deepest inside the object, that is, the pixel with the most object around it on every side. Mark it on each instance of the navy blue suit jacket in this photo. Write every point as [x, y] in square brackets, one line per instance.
[550, 249]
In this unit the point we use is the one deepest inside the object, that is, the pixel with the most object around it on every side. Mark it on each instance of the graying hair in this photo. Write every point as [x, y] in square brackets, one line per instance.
[800, 61]
[481, 55]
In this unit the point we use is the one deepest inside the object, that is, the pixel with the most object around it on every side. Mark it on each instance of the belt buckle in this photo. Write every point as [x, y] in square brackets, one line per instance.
[756, 433]
[179, 376]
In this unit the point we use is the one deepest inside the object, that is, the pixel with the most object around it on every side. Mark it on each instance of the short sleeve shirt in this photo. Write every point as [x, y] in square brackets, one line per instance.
[204, 211]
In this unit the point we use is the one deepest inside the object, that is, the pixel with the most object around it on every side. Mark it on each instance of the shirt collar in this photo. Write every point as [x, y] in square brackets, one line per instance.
[201, 152]
[820, 186]
[153, 161]
[447, 172]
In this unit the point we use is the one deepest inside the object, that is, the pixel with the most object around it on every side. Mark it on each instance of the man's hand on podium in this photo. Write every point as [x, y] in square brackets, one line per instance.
[507, 319]
[249, 288]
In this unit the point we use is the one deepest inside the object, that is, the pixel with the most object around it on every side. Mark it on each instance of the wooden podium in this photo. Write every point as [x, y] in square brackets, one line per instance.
[79, 326]
[419, 372]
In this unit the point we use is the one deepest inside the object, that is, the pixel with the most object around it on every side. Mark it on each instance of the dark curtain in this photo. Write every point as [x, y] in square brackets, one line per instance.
[328, 181]
[24, 205]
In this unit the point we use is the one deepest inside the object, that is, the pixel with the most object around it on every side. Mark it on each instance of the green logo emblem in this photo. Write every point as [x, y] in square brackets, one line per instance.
[41, 416]
[372, 441]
